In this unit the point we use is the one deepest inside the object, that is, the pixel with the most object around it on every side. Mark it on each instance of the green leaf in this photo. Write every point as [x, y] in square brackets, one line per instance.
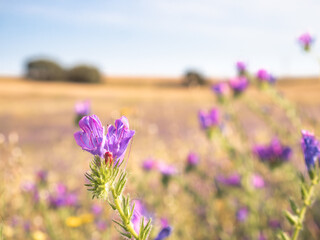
[294, 207]
[293, 219]
[127, 235]
[283, 236]
[120, 224]
[304, 191]
[112, 205]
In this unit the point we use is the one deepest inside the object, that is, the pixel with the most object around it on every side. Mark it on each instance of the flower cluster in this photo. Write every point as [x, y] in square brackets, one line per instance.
[264, 76]
[209, 119]
[274, 153]
[311, 149]
[305, 41]
[61, 197]
[238, 84]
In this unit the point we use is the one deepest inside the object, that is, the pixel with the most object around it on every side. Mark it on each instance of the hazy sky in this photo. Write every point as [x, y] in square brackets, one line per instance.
[160, 37]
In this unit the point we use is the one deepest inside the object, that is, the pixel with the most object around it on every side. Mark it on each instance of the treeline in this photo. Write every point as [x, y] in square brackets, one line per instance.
[48, 70]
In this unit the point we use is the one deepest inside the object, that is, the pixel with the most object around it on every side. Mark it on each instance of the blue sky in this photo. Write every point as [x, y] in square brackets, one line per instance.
[160, 37]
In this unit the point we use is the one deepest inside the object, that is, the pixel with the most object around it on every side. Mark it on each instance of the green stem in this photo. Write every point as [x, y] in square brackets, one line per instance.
[125, 221]
[302, 213]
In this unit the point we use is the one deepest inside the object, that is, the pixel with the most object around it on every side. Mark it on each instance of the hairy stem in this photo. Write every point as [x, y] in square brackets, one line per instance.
[125, 221]
[302, 213]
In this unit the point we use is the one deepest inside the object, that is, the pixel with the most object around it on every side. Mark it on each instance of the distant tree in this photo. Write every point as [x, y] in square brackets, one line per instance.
[192, 78]
[43, 69]
[84, 74]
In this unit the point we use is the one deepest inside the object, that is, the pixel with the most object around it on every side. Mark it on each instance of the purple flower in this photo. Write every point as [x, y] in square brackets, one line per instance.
[238, 84]
[263, 76]
[149, 164]
[274, 153]
[232, 180]
[193, 159]
[221, 89]
[274, 223]
[257, 181]
[60, 197]
[242, 214]
[42, 176]
[164, 233]
[96, 209]
[311, 148]
[32, 189]
[82, 108]
[93, 139]
[101, 225]
[305, 40]
[209, 119]
[241, 67]
[118, 138]
[139, 211]
[167, 170]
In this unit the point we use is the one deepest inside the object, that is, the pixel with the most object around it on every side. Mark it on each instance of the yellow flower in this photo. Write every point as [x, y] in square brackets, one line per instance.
[86, 218]
[38, 235]
[73, 222]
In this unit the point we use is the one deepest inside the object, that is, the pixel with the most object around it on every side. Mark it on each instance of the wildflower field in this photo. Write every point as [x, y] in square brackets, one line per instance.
[209, 162]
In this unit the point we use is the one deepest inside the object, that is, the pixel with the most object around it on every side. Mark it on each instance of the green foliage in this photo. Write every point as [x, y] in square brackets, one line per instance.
[44, 69]
[192, 78]
[84, 74]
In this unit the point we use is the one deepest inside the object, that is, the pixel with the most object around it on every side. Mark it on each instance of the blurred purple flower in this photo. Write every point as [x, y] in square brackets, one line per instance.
[238, 84]
[96, 209]
[263, 76]
[101, 225]
[60, 197]
[242, 214]
[193, 159]
[262, 237]
[241, 67]
[221, 89]
[274, 223]
[27, 226]
[164, 233]
[32, 189]
[311, 148]
[164, 222]
[93, 139]
[42, 176]
[257, 181]
[82, 108]
[167, 170]
[232, 180]
[149, 164]
[209, 119]
[274, 153]
[305, 40]
[138, 214]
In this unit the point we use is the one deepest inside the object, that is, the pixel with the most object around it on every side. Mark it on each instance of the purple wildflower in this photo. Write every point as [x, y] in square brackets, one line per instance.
[221, 89]
[91, 138]
[82, 108]
[101, 225]
[139, 211]
[60, 197]
[238, 84]
[164, 233]
[112, 146]
[232, 180]
[193, 159]
[42, 176]
[167, 170]
[242, 214]
[241, 67]
[274, 153]
[263, 76]
[305, 40]
[209, 119]
[96, 209]
[32, 189]
[118, 138]
[311, 149]
[274, 223]
[149, 164]
[257, 181]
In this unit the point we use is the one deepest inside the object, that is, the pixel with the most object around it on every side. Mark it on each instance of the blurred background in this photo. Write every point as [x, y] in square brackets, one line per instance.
[155, 62]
